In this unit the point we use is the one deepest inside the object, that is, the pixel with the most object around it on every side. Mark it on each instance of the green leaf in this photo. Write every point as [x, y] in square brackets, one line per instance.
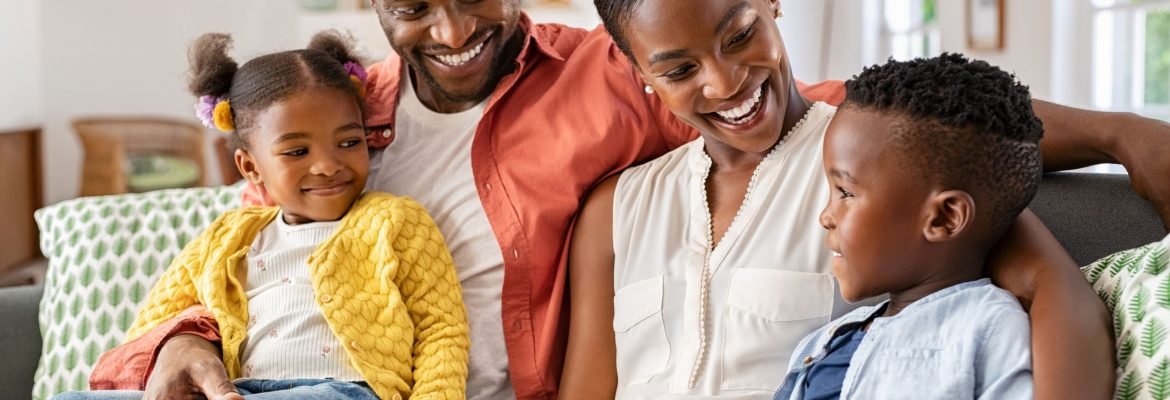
[126, 210]
[1125, 349]
[154, 224]
[59, 312]
[120, 247]
[86, 277]
[83, 328]
[166, 206]
[161, 243]
[59, 387]
[95, 299]
[149, 265]
[1153, 335]
[140, 244]
[113, 227]
[1137, 304]
[1096, 270]
[1159, 387]
[92, 233]
[66, 335]
[54, 362]
[104, 324]
[183, 239]
[127, 270]
[108, 271]
[1114, 298]
[1118, 321]
[75, 307]
[106, 211]
[1157, 260]
[1125, 260]
[137, 292]
[80, 381]
[1129, 387]
[195, 220]
[114, 296]
[176, 221]
[134, 226]
[125, 318]
[91, 353]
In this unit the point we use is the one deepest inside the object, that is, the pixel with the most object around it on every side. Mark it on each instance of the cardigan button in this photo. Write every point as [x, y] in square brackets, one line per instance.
[326, 298]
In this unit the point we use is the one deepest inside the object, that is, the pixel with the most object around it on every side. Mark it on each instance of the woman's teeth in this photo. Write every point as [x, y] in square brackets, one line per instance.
[736, 114]
[462, 58]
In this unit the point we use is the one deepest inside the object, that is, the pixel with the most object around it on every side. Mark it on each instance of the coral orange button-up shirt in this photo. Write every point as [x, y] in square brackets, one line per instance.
[572, 113]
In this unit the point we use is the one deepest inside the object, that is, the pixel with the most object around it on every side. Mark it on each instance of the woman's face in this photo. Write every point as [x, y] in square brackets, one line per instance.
[719, 65]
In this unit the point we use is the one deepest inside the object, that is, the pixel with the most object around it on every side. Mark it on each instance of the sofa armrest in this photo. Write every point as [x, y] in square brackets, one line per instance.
[20, 339]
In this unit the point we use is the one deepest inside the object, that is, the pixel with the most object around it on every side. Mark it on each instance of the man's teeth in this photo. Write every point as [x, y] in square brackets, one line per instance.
[462, 58]
[742, 110]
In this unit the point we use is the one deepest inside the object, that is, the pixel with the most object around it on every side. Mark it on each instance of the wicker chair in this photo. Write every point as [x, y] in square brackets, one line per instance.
[110, 142]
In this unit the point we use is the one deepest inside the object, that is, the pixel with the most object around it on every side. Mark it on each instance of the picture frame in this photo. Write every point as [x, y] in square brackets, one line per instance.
[985, 24]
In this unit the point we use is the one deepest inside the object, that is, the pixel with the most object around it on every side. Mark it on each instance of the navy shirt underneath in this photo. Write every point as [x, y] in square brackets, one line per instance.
[826, 377]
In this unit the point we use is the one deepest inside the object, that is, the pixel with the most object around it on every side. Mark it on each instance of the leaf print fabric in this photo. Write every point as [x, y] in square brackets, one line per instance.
[1135, 285]
[104, 255]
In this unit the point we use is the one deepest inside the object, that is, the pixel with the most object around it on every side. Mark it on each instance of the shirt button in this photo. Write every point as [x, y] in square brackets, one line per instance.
[488, 186]
[386, 133]
[515, 254]
[516, 326]
[354, 344]
[808, 360]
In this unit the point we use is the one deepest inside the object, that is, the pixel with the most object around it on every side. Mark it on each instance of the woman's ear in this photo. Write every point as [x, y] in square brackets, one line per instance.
[950, 214]
[247, 166]
[777, 11]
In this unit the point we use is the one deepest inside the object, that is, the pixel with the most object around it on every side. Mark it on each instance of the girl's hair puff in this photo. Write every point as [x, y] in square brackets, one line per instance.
[269, 79]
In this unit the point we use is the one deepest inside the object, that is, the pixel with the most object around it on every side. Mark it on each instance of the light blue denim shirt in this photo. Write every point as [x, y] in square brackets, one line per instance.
[968, 341]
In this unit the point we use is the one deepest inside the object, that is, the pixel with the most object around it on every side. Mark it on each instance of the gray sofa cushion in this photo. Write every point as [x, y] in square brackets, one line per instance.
[20, 338]
[1094, 215]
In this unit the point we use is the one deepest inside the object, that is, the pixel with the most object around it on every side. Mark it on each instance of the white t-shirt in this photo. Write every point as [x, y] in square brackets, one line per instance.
[288, 337]
[430, 161]
[770, 279]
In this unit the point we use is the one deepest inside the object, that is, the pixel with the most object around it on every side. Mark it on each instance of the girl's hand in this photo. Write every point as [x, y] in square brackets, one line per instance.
[189, 367]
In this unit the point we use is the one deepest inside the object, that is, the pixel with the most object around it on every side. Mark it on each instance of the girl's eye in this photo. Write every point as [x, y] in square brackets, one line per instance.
[295, 152]
[679, 73]
[351, 143]
[843, 193]
[742, 35]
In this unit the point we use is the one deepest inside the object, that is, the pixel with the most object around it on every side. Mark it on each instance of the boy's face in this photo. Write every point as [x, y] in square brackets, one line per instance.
[309, 153]
[876, 209]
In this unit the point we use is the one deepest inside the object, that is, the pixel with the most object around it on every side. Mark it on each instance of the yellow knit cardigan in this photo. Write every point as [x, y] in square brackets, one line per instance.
[384, 281]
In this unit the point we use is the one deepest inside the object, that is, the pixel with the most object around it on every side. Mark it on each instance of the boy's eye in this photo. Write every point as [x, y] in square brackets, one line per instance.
[351, 143]
[843, 193]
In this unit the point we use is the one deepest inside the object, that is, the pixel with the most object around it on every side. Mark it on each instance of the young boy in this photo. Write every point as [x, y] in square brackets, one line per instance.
[930, 162]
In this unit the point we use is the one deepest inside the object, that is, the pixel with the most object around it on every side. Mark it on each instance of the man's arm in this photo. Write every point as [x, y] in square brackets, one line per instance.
[1071, 347]
[1076, 138]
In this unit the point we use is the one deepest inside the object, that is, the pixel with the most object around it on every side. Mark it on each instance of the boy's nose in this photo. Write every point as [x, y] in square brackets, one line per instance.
[826, 219]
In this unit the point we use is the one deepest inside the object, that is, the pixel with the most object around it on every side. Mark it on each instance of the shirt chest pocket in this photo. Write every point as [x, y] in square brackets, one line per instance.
[768, 312]
[642, 349]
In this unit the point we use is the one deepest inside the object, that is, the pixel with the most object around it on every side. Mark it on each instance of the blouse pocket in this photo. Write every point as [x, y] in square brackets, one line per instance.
[642, 350]
[769, 312]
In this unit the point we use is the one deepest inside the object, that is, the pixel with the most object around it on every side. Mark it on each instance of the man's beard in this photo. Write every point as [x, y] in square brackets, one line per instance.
[496, 71]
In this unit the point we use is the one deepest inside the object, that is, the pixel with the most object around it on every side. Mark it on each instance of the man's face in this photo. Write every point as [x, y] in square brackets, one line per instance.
[460, 48]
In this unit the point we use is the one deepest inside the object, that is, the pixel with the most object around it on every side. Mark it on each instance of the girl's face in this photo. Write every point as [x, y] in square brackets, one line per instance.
[719, 65]
[309, 153]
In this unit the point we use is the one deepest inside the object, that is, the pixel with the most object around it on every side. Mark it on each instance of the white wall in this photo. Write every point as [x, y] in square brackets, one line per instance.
[1028, 46]
[20, 65]
[129, 58]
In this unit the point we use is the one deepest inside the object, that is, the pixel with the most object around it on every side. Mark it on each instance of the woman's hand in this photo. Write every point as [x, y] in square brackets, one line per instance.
[189, 367]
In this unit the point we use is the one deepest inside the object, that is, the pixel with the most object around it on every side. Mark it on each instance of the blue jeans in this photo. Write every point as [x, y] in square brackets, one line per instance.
[258, 389]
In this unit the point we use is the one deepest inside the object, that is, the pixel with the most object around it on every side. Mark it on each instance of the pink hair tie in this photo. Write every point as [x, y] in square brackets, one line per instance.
[356, 70]
[205, 110]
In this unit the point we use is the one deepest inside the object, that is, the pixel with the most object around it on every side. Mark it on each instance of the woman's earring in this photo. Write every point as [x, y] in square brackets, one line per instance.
[648, 89]
[779, 13]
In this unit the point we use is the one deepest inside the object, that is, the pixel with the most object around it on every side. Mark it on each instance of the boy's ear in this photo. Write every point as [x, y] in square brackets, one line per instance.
[950, 213]
[247, 166]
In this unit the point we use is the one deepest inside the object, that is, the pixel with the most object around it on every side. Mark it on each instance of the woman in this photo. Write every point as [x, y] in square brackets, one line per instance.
[710, 262]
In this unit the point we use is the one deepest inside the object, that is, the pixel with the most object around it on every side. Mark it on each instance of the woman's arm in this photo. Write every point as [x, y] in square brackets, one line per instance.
[590, 360]
[1072, 352]
[1075, 138]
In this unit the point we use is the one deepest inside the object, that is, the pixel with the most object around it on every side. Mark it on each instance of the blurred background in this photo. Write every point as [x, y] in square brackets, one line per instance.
[92, 97]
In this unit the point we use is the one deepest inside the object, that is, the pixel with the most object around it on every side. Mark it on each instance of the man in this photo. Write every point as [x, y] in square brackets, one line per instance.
[500, 126]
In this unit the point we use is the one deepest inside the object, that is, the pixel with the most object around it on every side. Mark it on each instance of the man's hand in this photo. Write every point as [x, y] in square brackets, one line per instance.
[189, 367]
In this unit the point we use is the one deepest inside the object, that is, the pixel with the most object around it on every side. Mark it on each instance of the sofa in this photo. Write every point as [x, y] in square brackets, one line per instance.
[1092, 215]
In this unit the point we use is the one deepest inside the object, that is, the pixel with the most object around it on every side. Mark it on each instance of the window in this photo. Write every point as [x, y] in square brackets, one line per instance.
[912, 28]
[1131, 56]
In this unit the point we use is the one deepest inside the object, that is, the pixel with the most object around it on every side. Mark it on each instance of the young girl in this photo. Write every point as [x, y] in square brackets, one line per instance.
[335, 293]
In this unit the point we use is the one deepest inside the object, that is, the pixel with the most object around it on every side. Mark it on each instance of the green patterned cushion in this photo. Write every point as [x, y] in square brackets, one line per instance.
[104, 255]
[1135, 285]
